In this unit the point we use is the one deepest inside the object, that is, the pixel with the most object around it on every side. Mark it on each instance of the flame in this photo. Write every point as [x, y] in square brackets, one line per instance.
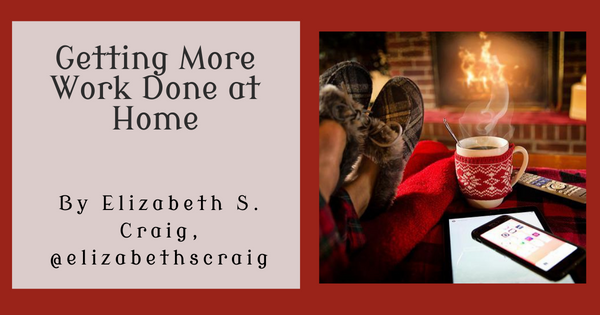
[483, 71]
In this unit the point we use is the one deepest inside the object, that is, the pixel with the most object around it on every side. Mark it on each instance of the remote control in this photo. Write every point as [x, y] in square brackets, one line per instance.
[554, 187]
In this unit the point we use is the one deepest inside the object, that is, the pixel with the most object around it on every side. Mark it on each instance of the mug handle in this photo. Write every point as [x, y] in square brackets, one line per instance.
[523, 165]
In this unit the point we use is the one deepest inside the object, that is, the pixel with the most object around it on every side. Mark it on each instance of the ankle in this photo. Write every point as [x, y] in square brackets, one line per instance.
[361, 189]
[332, 142]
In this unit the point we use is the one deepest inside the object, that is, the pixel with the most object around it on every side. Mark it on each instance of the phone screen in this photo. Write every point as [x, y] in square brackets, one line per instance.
[534, 246]
[474, 262]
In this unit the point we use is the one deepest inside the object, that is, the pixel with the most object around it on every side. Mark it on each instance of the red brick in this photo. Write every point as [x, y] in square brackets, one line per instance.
[410, 34]
[427, 129]
[450, 143]
[421, 43]
[424, 82]
[527, 132]
[575, 132]
[511, 131]
[554, 147]
[401, 64]
[456, 129]
[527, 146]
[394, 54]
[550, 132]
[423, 63]
[414, 72]
[403, 43]
[439, 130]
[413, 53]
[391, 36]
[562, 132]
[539, 132]
[500, 130]
[579, 148]
[517, 133]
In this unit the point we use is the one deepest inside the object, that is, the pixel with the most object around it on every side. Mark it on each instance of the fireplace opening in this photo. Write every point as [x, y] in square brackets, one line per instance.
[467, 65]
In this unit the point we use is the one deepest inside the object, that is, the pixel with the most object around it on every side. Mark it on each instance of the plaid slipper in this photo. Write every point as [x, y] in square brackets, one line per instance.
[352, 78]
[338, 106]
[385, 147]
[400, 101]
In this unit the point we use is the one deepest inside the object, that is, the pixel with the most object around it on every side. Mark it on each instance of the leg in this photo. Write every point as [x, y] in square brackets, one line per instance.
[340, 232]
[332, 141]
[360, 190]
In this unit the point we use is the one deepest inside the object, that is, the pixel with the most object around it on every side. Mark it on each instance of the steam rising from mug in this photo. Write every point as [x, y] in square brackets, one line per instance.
[481, 119]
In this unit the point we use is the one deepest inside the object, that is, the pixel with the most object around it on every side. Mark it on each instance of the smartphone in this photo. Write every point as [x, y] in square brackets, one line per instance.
[546, 254]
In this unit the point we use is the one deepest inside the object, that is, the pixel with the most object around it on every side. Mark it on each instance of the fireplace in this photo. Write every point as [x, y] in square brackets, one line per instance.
[542, 68]
[557, 60]
[467, 66]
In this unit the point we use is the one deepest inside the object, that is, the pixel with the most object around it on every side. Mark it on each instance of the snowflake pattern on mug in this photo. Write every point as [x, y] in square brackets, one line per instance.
[469, 180]
[484, 181]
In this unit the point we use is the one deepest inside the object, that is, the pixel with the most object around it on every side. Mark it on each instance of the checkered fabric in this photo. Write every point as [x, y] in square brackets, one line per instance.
[340, 234]
[567, 219]
[400, 101]
[352, 78]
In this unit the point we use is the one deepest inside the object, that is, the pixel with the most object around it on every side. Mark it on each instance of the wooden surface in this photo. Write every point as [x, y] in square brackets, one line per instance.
[552, 161]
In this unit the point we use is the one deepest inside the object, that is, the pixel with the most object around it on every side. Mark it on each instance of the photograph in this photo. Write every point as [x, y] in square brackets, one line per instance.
[442, 154]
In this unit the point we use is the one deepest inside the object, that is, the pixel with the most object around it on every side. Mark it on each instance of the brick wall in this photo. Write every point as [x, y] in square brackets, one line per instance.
[538, 139]
[409, 56]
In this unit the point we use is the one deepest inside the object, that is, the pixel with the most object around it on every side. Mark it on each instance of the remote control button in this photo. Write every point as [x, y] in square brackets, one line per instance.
[557, 186]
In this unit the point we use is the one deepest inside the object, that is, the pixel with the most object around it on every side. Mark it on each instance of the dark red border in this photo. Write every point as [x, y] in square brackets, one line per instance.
[312, 297]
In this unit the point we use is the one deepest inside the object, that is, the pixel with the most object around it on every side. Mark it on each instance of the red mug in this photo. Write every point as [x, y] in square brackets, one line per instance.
[484, 169]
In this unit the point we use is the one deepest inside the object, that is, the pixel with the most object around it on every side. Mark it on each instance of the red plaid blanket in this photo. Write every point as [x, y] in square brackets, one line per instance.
[406, 244]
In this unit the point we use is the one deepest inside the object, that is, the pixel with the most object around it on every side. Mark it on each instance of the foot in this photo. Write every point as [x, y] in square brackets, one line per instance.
[385, 147]
[352, 78]
[335, 105]
[400, 101]
[353, 81]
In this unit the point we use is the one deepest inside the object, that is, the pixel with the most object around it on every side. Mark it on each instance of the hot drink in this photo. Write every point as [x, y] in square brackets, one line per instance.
[484, 167]
[482, 147]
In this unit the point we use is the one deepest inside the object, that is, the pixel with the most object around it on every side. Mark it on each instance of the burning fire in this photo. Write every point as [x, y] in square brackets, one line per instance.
[484, 70]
